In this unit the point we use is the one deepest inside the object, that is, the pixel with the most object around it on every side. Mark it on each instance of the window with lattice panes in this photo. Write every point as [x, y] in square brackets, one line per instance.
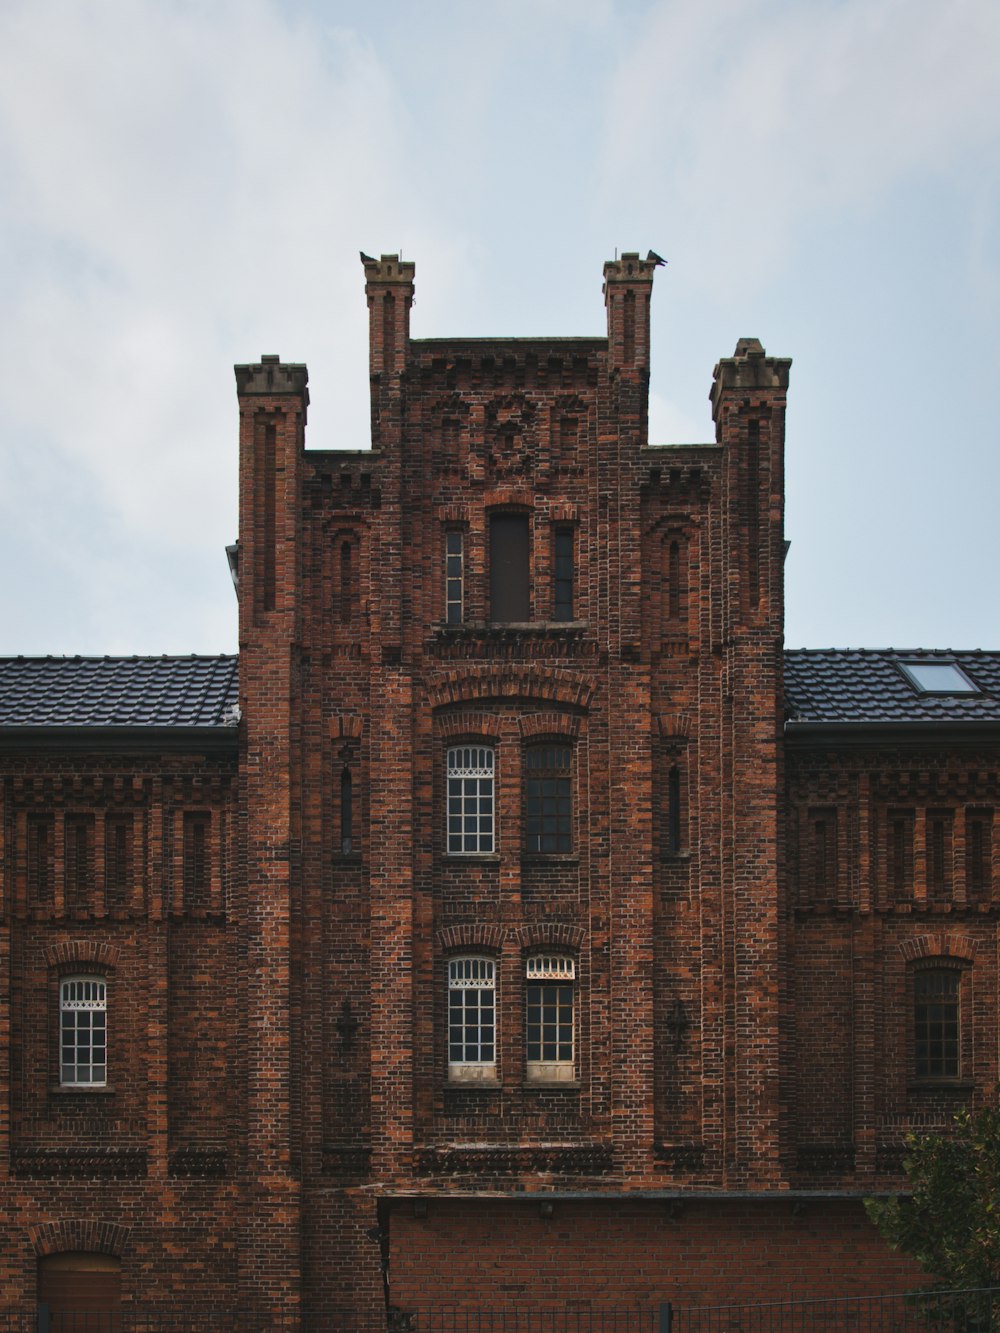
[548, 799]
[550, 1002]
[83, 1032]
[470, 828]
[471, 1018]
[937, 1023]
[454, 573]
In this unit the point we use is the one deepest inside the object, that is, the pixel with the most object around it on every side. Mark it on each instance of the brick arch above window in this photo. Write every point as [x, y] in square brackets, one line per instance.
[540, 726]
[677, 727]
[471, 935]
[469, 724]
[517, 498]
[346, 726]
[75, 954]
[80, 1234]
[550, 935]
[510, 683]
[939, 945]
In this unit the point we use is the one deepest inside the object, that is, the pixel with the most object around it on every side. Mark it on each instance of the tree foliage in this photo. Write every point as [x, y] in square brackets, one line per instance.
[950, 1220]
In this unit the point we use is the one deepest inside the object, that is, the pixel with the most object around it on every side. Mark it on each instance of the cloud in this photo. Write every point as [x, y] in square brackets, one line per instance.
[745, 117]
[186, 186]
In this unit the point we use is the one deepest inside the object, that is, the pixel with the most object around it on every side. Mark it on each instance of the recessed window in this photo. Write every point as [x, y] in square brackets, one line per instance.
[471, 1019]
[117, 860]
[509, 569]
[562, 593]
[454, 566]
[936, 1002]
[83, 1032]
[549, 1006]
[937, 678]
[197, 867]
[548, 800]
[470, 800]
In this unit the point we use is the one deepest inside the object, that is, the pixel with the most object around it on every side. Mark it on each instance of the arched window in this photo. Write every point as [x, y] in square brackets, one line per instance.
[469, 800]
[549, 1014]
[471, 1018]
[346, 812]
[548, 799]
[83, 1032]
[937, 1023]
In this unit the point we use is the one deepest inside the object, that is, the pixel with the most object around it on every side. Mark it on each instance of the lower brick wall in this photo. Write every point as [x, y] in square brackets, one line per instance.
[491, 1253]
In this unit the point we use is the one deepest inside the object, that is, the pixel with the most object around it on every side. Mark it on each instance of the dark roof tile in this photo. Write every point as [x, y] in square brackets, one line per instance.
[118, 691]
[865, 685]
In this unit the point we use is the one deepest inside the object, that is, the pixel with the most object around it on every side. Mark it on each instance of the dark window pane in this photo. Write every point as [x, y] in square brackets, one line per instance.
[509, 568]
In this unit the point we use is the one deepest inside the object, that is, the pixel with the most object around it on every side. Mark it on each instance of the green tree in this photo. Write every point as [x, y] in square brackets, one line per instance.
[950, 1219]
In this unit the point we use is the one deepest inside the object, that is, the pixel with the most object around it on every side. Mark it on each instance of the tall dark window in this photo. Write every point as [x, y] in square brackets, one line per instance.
[197, 861]
[824, 854]
[346, 812]
[509, 566]
[978, 854]
[454, 571]
[939, 853]
[79, 859]
[563, 570]
[936, 1023]
[548, 799]
[899, 852]
[117, 860]
[346, 583]
[674, 810]
[40, 868]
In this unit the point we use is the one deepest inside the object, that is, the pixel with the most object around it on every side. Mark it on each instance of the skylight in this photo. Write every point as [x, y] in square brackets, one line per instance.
[937, 678]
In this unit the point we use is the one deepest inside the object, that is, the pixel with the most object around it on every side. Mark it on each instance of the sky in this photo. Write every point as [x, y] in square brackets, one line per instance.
[186, 184]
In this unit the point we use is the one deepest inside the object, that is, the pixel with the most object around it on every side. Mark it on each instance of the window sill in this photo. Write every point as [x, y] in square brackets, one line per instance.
[551, 1085]
[551, 1074]
[474, 628]
[941, 1085]
[472, 1079]
[82, 1089]
[489, 858]
[550, 859]
[675, 858]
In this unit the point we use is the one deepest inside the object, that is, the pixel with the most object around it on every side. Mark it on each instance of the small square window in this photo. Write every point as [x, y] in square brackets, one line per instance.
[937, 678]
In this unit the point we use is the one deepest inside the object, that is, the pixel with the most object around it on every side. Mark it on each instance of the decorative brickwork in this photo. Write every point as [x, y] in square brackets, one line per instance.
[511, 713]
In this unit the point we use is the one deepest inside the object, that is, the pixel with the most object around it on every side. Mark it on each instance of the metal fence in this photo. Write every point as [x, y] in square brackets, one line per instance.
[920, 1312]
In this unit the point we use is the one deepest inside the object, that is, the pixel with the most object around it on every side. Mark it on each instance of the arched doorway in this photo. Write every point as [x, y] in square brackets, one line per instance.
[80, 1292]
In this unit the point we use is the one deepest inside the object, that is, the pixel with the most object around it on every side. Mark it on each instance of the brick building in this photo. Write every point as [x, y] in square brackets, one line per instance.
[515, 919]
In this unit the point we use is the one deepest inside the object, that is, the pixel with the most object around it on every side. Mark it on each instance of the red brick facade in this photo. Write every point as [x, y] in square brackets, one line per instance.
[702, 931]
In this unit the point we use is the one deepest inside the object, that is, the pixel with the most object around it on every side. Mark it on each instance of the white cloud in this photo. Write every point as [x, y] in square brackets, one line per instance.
[745, 116]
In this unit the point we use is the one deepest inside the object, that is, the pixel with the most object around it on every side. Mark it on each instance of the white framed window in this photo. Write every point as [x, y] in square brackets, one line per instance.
[83, 1032]
[471, 1019]
[550, 1019]
[470, 800]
